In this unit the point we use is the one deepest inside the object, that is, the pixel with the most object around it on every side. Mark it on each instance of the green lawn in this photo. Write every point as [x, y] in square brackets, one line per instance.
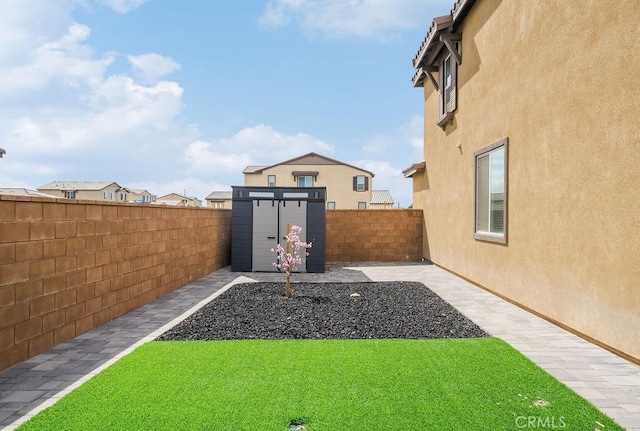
[453, 384]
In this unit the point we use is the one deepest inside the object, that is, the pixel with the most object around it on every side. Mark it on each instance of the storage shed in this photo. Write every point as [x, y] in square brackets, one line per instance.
[259, 222]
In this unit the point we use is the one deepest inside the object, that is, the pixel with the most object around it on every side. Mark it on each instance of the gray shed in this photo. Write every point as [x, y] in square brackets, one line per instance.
[259, 221]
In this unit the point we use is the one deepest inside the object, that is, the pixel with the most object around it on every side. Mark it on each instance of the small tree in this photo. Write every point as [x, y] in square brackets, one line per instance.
[287, 260]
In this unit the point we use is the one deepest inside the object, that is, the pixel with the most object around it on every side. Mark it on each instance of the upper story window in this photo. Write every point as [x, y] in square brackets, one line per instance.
[271, 180]
[448, 77]
[70, 194]
[360, 183]
[123, 196]
[491, 192]
[441, 54]
[305, 181]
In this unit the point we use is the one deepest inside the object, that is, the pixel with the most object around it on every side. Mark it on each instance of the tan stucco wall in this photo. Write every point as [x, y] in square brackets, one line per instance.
[560, 80]
[90, 195]
[226, 204]
[338, 179]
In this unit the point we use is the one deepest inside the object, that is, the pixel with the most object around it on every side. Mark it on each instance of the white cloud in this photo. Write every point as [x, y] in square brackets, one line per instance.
[258, 145]
[64, 63]
[347, 18]
[408, 136]
[122, 6]
[151, 67]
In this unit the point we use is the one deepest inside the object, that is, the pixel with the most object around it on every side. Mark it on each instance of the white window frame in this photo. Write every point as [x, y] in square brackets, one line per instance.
[305, 177]
[362, 205]
[360, 187]
[493, 178]
[331, 205]
[269, 182]
[70, 194]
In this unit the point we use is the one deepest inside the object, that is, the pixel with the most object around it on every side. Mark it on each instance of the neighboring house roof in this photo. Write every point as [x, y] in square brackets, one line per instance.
[414, 169]
[381, 197]
[306, 159]
[78, 185]
[16, 191]
[254, 169]
[219, 196]
[139, 191]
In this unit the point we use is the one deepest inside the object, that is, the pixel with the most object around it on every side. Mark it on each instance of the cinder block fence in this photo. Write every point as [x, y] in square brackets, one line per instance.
[67, 266]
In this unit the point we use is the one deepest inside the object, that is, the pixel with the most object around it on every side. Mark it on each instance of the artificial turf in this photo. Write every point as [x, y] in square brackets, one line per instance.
[381, 384]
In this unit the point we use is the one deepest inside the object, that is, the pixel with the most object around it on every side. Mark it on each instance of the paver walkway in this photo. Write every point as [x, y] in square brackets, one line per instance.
[608, 381]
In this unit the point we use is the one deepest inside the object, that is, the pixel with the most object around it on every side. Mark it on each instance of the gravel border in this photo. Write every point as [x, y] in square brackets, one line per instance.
[396, 309]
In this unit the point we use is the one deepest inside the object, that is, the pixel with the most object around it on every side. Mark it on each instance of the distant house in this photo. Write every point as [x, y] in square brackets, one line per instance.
[381, 200]
[175, 199]
[2, 152]
[530, 181]
[88, 190]
[16, 191]
[141, 196]
[219, 199]
[348, 187]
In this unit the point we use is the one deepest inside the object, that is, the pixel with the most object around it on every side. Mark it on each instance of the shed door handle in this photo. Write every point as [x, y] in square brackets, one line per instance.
[271, 237]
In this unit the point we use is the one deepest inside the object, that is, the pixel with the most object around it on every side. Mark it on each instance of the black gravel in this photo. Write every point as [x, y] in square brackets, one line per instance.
[324, 311]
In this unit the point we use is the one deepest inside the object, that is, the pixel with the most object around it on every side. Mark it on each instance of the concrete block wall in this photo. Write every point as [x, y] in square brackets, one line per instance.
[68, 266]
[374, 235]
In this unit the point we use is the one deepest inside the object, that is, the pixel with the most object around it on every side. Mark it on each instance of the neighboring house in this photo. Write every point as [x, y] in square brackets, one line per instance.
[87, 190]
[530, 184]
[141, 196]
[16, 191]
[2, 152]
[176, 199]
[219, 199]
[348, 187]
[381, 200]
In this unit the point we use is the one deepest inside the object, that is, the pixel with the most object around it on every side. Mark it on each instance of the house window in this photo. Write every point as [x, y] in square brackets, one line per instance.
[491, 193]
[104, 196]
[331, 205]
[219, 205]
[271, 181]
[360, 183]
[123, 196]
[305, 181]
[362, 205]
[70, 194]
[448, 83]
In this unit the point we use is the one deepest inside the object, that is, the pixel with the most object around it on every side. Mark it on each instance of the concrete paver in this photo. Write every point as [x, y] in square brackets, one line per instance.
[608, 381]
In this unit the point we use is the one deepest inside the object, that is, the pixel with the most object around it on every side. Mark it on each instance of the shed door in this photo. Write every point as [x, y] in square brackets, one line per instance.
[293, 213]
[265, 235]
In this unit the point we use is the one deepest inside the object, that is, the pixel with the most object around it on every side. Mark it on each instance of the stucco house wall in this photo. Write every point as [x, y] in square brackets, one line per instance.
[559, 79]
[335, 176]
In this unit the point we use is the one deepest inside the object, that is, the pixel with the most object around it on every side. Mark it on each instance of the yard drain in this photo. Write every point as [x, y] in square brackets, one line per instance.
[296, 424]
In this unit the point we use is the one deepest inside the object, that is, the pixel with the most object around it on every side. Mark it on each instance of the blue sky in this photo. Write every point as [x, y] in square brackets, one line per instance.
[182, 95]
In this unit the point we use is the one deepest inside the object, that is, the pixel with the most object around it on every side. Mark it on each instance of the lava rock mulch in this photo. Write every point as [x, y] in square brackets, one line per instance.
[325, 311]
